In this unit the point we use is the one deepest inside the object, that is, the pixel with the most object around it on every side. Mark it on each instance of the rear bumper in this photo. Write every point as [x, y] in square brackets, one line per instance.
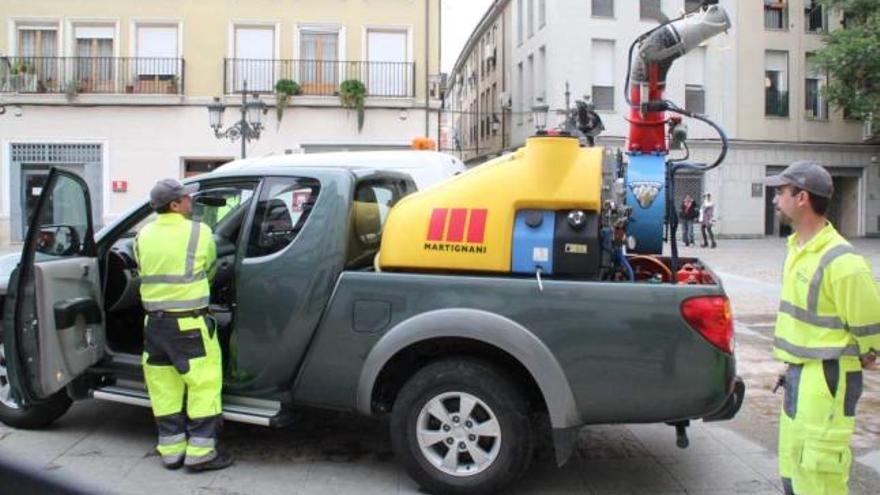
[731, 405]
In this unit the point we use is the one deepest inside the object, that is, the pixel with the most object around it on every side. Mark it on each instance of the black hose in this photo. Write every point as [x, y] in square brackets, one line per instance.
[687, 154]
[641, 38]
[725, 143]
[671, 212]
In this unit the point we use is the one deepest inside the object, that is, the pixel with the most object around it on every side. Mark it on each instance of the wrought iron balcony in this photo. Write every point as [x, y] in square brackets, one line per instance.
[73, 75]
[320, 77]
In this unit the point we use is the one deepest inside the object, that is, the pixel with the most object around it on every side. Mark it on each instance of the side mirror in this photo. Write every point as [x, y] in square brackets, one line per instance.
[58, 240]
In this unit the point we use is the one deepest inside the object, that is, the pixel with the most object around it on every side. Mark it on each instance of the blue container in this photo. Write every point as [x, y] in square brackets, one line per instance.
[646, 194]
[533, 233]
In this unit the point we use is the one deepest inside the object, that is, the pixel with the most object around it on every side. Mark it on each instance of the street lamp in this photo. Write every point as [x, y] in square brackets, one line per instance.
[247, 128]
[539, 113]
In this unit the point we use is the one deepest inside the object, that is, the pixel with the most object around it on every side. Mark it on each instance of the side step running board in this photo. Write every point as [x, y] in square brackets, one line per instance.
[242, 410]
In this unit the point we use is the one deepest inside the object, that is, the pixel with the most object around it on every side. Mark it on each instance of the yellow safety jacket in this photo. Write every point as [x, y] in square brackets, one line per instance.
[176, 258]
[830, 304]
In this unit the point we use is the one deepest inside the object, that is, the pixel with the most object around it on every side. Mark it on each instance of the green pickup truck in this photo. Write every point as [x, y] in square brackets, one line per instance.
[465, 367]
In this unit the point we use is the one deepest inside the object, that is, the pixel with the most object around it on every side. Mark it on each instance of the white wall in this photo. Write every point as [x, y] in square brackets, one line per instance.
[145, 144]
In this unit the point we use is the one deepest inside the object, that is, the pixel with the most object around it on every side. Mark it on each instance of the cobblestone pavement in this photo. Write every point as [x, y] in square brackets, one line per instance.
[109, 446]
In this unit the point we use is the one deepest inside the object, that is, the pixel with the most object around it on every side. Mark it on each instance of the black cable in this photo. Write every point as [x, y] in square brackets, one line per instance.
[687, 153]
[725, 143]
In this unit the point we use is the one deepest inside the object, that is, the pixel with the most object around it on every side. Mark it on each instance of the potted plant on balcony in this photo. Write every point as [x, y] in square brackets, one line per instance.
[72, 89]
[173, 84]
[352, 94]
[129, 86]
[285, 89]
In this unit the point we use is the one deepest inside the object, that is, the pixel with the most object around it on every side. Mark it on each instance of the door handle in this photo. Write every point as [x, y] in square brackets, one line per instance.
[85, 269]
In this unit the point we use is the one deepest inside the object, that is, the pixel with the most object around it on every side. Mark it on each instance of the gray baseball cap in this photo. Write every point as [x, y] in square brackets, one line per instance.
[806, 175]
[167, 190]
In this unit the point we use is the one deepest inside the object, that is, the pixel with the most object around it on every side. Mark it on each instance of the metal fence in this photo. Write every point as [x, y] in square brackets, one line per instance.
[320, 77]
[136, 75]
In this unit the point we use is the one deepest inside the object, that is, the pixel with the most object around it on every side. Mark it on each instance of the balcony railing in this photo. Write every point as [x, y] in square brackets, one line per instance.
[776, 103]
[136, 75]
[320, 77]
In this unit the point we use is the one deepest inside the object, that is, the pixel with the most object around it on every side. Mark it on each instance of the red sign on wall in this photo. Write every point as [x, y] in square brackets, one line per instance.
[120, 186]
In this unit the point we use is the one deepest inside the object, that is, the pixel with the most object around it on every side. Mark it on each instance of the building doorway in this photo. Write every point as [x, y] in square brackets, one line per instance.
[29, 168]
[843, 211]
[199, 166]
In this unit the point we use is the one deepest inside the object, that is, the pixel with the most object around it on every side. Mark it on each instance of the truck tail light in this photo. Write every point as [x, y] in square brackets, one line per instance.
[711, 316]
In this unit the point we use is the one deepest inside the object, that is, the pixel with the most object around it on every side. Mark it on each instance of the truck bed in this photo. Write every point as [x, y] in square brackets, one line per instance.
[624, 348]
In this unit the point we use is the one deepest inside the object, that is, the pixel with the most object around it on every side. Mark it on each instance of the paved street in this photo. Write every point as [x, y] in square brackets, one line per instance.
[109, 446]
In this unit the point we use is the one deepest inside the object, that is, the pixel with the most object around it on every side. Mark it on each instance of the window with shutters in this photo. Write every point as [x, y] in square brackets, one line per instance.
[254, 54]
[520, 94]
[603, 74]
[519, 21]
[649, 10]
[530, 15]
[530, 87]
[95, 67]
[814, 84]
[602, 8]
[815, 17]
[35, 68]
[776, 83]
[157, 62]
[319, 61]
[695, 83]
[388, 55]
[541, 74]
[775, 14]
[542, 13]
[692, 5]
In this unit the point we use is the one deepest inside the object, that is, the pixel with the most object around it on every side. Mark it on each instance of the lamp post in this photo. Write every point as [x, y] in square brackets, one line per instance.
[539, 113]
[249, 125]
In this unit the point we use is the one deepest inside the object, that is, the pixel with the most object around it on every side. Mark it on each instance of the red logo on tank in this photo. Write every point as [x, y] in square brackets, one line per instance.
[458, 225]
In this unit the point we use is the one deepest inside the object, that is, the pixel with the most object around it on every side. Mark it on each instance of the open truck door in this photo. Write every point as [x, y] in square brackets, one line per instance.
[54, 322]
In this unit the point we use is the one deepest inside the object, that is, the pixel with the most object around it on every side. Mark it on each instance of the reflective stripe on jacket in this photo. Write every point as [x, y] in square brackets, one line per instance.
[176, 260]
[830, 305]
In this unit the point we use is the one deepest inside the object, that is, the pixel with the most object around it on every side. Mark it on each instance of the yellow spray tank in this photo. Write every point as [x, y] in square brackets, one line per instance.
[497, 217]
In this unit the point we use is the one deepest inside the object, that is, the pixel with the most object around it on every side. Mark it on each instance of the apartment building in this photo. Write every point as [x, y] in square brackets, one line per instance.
[478, 92]
[758, 82]
[117, 91]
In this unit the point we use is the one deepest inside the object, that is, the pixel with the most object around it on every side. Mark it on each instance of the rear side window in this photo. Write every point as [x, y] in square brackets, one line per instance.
[373, 200]
[282, 209]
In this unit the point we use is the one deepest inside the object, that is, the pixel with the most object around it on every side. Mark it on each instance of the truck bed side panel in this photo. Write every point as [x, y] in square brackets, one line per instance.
[626, 351]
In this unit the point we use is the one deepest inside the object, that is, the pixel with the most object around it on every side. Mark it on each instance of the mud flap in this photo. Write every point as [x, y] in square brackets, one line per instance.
[564, 441]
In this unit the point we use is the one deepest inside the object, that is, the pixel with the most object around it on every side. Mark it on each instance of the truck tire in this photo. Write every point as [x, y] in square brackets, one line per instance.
[461, 427]
[28, 417]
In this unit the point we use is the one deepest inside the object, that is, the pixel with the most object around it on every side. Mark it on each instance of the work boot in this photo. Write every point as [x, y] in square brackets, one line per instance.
[714, 245]
[221, 461]
[173, 465]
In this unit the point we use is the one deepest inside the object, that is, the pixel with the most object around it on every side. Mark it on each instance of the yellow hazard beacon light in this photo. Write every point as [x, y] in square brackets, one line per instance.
[469, 222]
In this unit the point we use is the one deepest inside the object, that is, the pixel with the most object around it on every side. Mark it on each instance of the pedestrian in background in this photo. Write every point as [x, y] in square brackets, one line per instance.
[827, 331]
[707, 219]
[688, 213]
